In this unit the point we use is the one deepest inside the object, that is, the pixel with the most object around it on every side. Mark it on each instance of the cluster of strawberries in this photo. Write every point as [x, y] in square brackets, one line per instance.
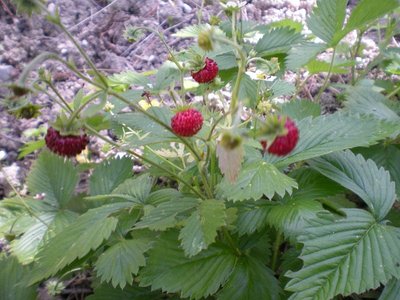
[188, 122]
[184, 123]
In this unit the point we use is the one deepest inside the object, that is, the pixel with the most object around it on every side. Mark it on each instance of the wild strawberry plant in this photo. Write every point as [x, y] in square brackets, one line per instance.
[240, 198]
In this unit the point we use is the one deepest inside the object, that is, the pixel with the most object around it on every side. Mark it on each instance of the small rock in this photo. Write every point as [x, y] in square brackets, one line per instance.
[52, 8]
[85, 43]
[185, 7]
[9, 177]
[6, 72]
[3, 154]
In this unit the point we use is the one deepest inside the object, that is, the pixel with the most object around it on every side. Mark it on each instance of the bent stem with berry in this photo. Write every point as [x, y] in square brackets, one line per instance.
[238, 196]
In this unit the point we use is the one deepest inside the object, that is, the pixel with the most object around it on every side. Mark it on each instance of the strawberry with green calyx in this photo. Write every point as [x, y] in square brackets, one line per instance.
[207, 73]
[281, 133]
[203, 70]
[187, 122]
[65, 138]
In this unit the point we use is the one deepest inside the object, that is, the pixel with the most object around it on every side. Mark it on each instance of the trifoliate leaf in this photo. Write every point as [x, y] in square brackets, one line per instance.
[387, 157]
[326, 20]
[168, 269]
[200, 229]
[47, 225]
[109, 174]
[278, 40]
[55, 177]
[257, 179]
[166, 214]
[363, 177]
[76, 240]
[13, 281]
[345, 256]
[122, 260]
[250, 279]
[301, 109]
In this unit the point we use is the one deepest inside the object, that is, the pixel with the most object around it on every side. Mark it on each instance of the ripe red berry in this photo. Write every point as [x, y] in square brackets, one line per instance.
[283, 145]
[208, 73]
[68, 145]
[187, 122]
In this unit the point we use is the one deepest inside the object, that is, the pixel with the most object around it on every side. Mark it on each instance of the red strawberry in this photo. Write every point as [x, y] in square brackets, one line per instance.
[68, 145]
[187, 122]
[208, 73]
[284, 144]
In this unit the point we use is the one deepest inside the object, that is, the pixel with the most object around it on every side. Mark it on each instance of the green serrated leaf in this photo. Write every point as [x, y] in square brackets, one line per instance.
[252, 217]
[30, 147]
[282, 88]
[391, 290]
[168, 269]
[226, 60]
[366, 101]
[133, 96]
[129, 78]
[301, 109]
[278, 40]
[387, 157]
[109, 174]
[76, 240]
[55, 177]
[300, 55]
[363, 177]
[95, 108]
[138, 187]
[368, 11]
[247, 90]
[122, 260]
[162, 195]
[330, 133]
[13, 284]
[326, 20]
[256, 180]
[200, 229]
[78, 99]
[291, 215]
[165, 215]
[313, 186]
[51, 223]
[192, 31]
[316, 66]
[345, 256]
[250, 279]
[139, 130]
[166, 75]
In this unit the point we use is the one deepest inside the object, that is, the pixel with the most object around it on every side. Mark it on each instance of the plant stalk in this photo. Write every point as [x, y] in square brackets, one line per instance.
[275, 254]
[328, 76]
[147, 160]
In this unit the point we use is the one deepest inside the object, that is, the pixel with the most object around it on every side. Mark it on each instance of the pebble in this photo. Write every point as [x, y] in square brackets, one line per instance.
[11, 172]
[6, 72]
[85, 43]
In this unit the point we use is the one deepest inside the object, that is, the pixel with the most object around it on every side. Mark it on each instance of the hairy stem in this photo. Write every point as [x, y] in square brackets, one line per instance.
[156, 120]
[354, 55]
[145, 159]
[328, 76]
